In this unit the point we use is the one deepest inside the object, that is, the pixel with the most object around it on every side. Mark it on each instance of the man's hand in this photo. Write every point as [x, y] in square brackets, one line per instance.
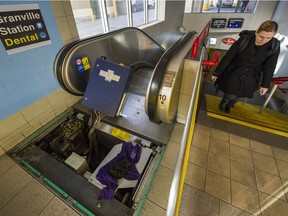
[213, 78]
[262, 90]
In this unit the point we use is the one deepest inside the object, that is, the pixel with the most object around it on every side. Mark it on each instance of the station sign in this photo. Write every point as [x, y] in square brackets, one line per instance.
[22, 28]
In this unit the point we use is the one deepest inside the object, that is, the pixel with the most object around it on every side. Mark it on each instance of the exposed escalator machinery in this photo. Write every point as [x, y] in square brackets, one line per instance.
[84, 141]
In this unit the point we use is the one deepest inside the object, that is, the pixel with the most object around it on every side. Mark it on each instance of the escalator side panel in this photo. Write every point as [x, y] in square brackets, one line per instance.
[171, 85]
[158, 77]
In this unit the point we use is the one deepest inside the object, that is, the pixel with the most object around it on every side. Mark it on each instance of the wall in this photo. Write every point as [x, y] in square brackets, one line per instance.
[63, 15]
[167, 32]
[25, 76]
[251, 21]
[281, 16]
[25, 121]
[190, 70]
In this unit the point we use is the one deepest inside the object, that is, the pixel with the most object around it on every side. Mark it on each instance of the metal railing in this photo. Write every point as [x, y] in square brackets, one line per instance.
[184, 151]
[279, 81]
[183, 155]
[276, 81]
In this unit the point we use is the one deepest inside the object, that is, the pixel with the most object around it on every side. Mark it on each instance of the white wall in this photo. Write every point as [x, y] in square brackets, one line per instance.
[167, 31]
[281, 16]
[265, 11]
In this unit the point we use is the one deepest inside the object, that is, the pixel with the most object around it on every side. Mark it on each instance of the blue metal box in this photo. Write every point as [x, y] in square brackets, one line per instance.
[106, 87]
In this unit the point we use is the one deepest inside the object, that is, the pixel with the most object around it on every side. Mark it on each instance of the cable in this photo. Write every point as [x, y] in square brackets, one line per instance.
[91, 136]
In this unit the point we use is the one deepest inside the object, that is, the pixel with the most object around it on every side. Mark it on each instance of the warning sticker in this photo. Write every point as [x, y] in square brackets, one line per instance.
[123, 135]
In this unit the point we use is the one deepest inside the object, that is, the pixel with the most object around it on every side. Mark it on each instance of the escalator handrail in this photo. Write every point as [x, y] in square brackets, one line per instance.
[65, 50]
[158, 74]
[280, 80]
[183, 155]
[200, 37]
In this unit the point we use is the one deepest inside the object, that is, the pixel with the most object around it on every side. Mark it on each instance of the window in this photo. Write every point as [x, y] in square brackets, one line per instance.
[94, 17]
[220, 6]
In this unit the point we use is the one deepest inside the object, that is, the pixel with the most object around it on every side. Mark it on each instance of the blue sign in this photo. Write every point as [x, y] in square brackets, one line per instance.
[79, 64]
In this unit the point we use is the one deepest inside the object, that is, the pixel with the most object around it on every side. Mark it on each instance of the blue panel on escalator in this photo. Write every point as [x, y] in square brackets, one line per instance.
[106, 87]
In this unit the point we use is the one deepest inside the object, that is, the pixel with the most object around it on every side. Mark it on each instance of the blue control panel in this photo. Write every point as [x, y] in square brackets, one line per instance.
[106, 87]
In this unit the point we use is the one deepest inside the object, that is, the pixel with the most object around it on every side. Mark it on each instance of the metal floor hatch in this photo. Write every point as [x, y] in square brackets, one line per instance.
[46, 154]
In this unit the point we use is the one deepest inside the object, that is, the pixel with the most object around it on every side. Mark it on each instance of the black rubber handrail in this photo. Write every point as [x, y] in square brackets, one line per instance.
[158, 74]
[62, 54]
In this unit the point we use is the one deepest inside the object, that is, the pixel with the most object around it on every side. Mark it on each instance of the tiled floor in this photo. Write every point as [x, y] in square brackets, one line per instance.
[227, 175]
[21, 194]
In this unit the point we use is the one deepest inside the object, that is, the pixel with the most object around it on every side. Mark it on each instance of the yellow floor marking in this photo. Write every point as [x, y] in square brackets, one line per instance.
[248, 115]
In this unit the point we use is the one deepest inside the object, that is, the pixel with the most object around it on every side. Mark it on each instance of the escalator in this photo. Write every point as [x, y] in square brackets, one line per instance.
[127, 46]
[69, 152]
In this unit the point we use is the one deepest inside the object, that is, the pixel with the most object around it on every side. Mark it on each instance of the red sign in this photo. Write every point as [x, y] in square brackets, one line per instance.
[228, 41]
